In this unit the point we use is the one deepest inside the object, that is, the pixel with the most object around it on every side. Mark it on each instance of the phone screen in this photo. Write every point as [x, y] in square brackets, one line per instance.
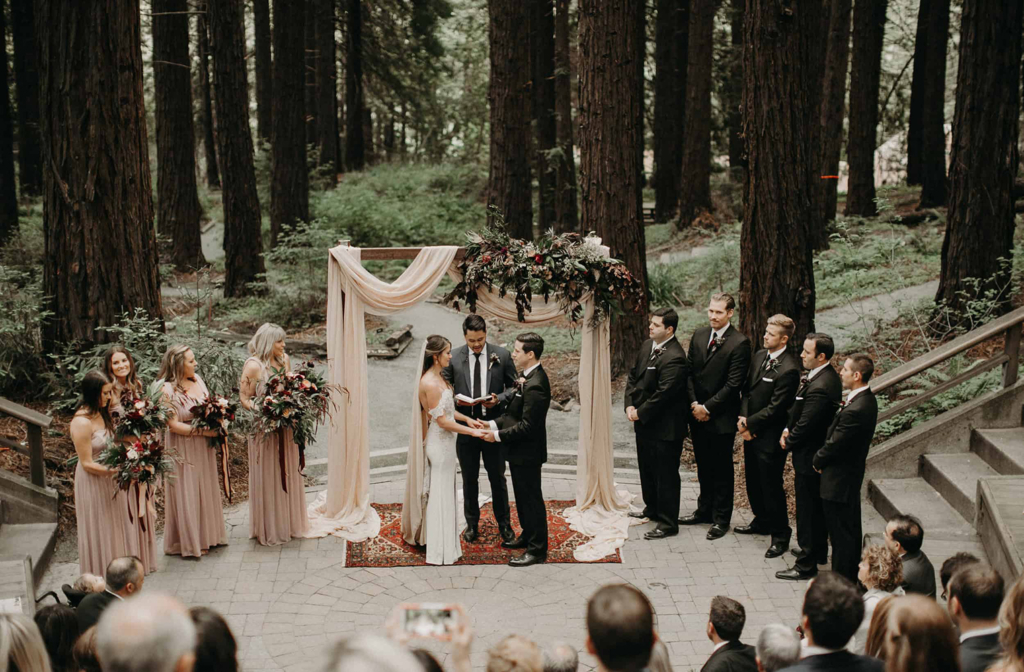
[428, 620]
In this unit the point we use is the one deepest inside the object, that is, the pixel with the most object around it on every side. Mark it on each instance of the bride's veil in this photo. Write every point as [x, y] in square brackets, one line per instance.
[417, 481]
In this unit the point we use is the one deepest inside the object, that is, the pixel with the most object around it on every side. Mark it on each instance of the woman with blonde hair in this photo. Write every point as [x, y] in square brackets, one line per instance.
[921, 637]
[881, 572]
[194, 515]
[21, 646]
[275, 516]
[1011, 630]
[119, 366]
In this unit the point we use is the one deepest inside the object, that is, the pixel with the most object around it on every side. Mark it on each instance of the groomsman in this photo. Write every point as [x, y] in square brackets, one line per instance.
[841, 462]
[817, 400]
[719, 357]
[656, 405]
[768, 395]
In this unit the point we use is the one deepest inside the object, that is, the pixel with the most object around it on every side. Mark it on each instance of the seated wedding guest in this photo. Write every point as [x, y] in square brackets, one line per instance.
[660, 661]
[975, 595]
[878, 631]
[216, 649]
[904, 535]
[951, 566]
[561, 657]
[89, 583]
[58, 625]
[620, 628]
[921, 638]
[151, 633]
[84, 653]
[881, 573]
[119, 366]
[725, 625]
[515, 653]
[125, 577]
[778, 647]
[832, 611]
[370, 653]
[21, 646]
[427, 660]
[1011, 634]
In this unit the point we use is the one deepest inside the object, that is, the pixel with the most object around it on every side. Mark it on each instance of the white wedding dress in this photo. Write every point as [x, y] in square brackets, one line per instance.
[442, 519]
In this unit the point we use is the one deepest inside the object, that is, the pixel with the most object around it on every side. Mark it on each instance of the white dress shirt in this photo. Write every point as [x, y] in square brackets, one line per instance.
[854, 393]
[980, 632]
[494, 425]
[815, 371]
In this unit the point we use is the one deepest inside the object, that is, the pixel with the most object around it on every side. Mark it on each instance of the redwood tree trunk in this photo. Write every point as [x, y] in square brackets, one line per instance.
[243, 243]
[312, 65]
[8, 194]
[178, 209]
[984, 157]
[609, 102]
[355, 144]
[781, 99]
[264, 69]
[327, 90]
[542, 67]
[868, 34]
[206, 102]
[289, 177]
[695, 185]
[566, 217]
[734, 116]
[917, 93]
[833, 108]
[101, 257]
[26, 73]
[670, 54]
[508, 183]
[933, 134]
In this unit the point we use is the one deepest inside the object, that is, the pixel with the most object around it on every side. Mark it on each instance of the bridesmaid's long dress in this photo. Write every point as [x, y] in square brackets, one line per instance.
[142, 542]
[102, 513]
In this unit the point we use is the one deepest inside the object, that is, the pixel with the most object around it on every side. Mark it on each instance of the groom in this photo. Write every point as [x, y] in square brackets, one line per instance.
[523, 437]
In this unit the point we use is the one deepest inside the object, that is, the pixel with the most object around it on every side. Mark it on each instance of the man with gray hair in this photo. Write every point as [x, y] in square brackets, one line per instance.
[151, 633]
[778, 647]
[561, 657]
[124, 578]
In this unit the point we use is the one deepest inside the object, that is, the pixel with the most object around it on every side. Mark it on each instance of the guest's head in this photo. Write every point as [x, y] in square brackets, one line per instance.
[904, 534]
[951, 566]
[620, 628]
[880, 568]
[720, 310]
[832, 611]
[726, 621]
[267, 344]
[216, 649]
[818, 351]
[369, 653]
[975, 594]
[878, 629]
[561, 657]
[474, 329]
[437, 352]
[1011, 625]
[662, 324]
[149, 633]
[21, 646]
[779, 332]
[529, 347]
[515, 653]
[857, 371]
[84, 653]
[427, 660]
[89, 583]
[178, 364]
[660, 660]
[920, 637]
[778, 646]
[96, 392]
[119, 366]
[58, 625]
[125, 576]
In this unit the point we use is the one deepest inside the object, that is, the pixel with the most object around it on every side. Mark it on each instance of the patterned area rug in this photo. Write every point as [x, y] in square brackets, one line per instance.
[390, 550]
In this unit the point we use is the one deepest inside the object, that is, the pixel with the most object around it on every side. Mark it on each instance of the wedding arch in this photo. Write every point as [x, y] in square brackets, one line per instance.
[344, 509]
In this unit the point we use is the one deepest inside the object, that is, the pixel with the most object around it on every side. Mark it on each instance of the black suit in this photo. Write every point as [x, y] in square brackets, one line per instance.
[978, 653]
[91, 608]
[840, 661]
[733, 657]
[767, 398]
[524, 443]
[841, 463]
[918, 574]
[501, 380]
[815, 406]
[656, 388]
[716, 378]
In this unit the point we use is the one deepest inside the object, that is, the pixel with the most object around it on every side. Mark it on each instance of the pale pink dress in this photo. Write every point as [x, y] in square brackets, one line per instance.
[194, 515]
[275, 516]
[102, 513]
[142, 542]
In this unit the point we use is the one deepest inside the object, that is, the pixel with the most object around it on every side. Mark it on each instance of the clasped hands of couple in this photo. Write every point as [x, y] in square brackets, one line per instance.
[482, 429]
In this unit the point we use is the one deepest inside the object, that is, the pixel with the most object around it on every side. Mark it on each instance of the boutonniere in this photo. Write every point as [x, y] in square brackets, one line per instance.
[772, 364]
[842, 404]
[804, 380]
[657, 352]
[520, 382]
[716, 343]
[493, 360]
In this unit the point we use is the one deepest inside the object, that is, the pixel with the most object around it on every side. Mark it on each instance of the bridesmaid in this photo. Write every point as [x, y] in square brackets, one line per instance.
[119, 366]
[194, 516]
[275, 515]
[102, 514]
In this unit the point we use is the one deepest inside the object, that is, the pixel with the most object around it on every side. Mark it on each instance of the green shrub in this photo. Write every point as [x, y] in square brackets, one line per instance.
[21, 320]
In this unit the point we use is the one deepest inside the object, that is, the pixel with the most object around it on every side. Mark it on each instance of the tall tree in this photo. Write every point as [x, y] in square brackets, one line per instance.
[917, 93]
[264, 69]
[289, 177]
[327, 89]
[178, 210]
[695, 185]
[933, 91]
[542, 69]
[734, 92]
[243, 242]
[312, 67]
[781, 101]
[566, 217]
[608, 104]
[8, 194]
[508, 183]
[101, 256]
[868, 35]
[984, 157]
[671, 28]
[26, 74]
[833, 107]
[355, 143]
[206, 100]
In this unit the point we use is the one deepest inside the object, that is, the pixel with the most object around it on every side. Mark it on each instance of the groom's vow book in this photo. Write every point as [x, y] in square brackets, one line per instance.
[470, 401]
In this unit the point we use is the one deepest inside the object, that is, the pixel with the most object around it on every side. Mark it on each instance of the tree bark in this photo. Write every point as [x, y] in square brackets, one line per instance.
[608, 105]
[26, 74]
[933, 133]
[670, 54]
[868, 34]
[695, 185]
[206, 102]
[566, 215]
[917, 93]
[289, 177]
[243, 242]
[979, 232]
[312, 59]
[101, 257]
[508, 184]
[641, 138]
[734, 98]
[264, 70]
[542, 67]
[8, 193]
[355, 143]
[781, 98]
[327, 89]
[833, 108]
[178, 209]
[368, 135]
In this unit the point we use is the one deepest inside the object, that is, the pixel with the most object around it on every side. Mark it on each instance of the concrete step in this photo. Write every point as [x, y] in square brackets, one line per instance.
[621, 459]
[915, 497]
[1001, 448]
[34, 539]
[398, 471]
[955, 477]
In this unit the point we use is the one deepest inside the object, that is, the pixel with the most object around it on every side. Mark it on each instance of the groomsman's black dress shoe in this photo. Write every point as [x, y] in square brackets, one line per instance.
[797, 552]
[507, 535]
[693, 519]
[795, 574]
[717, 531]
[470, 535]
[659, 534]
[527, 559]
[775, 550]
[637, 514]
[749, 529]
[515, 543]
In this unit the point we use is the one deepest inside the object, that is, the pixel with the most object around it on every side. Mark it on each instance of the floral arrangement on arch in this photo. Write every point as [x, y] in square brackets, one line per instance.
[568, 266]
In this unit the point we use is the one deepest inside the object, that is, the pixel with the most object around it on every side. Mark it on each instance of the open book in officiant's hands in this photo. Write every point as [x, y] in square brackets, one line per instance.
[465, 400]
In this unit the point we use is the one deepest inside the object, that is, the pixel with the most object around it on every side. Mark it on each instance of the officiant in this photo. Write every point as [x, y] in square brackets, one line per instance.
[485, 373]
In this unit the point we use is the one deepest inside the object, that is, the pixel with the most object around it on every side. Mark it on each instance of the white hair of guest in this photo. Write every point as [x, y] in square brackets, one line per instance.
[778, 647]
[369, 653]
[561, 657]
[261, 345]
[21, 646]
[148, 633]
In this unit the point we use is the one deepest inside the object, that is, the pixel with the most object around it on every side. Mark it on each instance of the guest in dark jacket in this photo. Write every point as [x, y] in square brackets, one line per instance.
[725, 625]
[904, 535]
[975, 595]
[124, 578]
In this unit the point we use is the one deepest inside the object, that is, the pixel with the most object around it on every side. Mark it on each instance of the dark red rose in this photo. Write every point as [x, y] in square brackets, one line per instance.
[538, 258]
[486, 259]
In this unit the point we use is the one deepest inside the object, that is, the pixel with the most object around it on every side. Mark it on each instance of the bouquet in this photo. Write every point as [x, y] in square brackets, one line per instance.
[142, 415]
[216, 413]
[137, 464]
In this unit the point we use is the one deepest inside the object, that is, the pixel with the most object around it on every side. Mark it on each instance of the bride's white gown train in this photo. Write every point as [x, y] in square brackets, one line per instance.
[442, 519]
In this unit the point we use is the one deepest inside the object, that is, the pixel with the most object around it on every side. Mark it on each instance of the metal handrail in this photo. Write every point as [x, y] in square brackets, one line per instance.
[35, 423]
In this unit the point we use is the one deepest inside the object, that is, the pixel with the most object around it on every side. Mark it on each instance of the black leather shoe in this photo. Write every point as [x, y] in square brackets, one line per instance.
[795, 575]
[507, 535]
[717, 531]
[659, 534]
[798, 553]
[693, 519]
[470, 535]
[748, 529]
[515, 543]
[823, 561]
[637, 514]
[527, 559]
[775, 550]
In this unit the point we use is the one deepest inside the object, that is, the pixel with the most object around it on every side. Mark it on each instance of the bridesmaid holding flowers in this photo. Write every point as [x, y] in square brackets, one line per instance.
[119, 366]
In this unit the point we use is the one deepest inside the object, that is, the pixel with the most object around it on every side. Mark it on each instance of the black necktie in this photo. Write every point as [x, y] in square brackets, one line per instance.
[476, 382]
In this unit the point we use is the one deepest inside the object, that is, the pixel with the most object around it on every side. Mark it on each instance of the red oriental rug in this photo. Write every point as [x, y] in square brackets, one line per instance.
[389, 549]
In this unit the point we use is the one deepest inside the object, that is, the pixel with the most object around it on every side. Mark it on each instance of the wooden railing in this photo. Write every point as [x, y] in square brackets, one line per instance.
[1008, 325]
[35, 423]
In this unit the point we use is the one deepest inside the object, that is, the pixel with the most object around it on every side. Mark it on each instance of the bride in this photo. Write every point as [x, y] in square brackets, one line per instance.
[439, 427]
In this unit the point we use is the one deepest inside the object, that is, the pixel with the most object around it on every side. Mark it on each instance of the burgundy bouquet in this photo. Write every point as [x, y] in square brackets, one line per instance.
[216, 413]
[137, 464]
[142, 414]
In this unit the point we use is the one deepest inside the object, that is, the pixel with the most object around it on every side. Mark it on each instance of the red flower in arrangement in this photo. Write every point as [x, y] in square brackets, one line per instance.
[486, 259]
[538, 258]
